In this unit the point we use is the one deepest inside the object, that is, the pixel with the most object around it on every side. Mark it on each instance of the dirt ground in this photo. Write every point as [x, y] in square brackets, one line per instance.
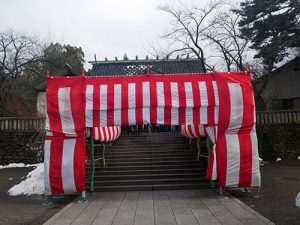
[280, 186]
[24, 210]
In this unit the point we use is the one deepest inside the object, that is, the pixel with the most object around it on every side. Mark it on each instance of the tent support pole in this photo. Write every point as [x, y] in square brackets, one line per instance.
[199, 148]
[93, 165]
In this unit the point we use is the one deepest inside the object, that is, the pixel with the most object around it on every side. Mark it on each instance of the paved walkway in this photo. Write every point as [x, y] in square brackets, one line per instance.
[189, 207]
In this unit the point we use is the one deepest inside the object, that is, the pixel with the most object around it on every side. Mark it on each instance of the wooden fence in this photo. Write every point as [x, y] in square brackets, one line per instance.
[20, 123]
[262, 118]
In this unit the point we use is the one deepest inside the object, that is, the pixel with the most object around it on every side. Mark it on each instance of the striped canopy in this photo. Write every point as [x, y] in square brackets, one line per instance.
[220, 100]
[193, 131]
[106, 134]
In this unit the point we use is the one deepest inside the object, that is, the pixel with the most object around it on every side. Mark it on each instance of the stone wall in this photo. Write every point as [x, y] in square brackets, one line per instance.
[14, 149]
[279, 141]
[273, 141]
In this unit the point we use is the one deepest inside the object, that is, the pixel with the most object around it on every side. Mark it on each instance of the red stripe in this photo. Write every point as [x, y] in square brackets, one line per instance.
[189, 127]
[110, 105]
[96, 106]
[79, 163]
[197, 130]
[168, 103]
[224, 118]
[244, 137]
[182, 103]
[76, 106]
[196, 97]
[124, 103]
[53, 111]
[211, 103]
[56, 165]
[245, 160]
[139, 103]
[153, 102]
[83, 98]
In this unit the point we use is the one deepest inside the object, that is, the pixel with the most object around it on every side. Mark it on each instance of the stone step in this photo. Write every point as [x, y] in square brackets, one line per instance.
[108, 172]
[135, 176]
[154, 162]
[150, 158]
[185, 186]
[150, 181]
[147, 167]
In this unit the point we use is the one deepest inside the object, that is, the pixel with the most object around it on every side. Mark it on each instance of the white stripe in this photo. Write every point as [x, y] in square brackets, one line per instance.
[203, 93]
[175, 103]
[233, 159]
[47, 148]
[256, 180]
[236, 106]
[47, 124]
[131, 104]
[146, 103]
[204, 102]
[114, 133]
[216, 93]
[67, 167]
[96, 133]
[111, 133]
[189, 100]
[214, 168]
[103, 105]
[49, 133]
[194, 131]
[106, 132]
[203, 115]
[201, 130]
[101, 134]
[117, 104]
[89, 105]
[65, 110]
[188, 132]
[160, 102]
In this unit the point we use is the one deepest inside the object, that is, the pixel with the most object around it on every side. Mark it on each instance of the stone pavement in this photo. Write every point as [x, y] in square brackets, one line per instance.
[189, 207]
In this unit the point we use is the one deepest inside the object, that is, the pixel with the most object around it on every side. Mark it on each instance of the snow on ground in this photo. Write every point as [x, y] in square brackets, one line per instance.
[17, 165]
[34, 183]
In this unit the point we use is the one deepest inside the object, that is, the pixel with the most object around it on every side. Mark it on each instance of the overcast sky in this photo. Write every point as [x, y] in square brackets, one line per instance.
[105, 28]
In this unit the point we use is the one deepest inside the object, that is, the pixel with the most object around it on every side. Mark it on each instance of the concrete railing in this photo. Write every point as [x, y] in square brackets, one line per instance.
[277, 117]
[20, 123]
[262, 118]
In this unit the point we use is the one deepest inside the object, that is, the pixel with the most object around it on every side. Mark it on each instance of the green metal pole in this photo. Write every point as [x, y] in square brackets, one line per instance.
[208, 145]
[199, 148]
[93, 165]
[103, 155]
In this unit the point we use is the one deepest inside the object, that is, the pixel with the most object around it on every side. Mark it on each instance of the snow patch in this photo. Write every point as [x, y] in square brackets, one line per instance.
[17, 165]
[34, 183]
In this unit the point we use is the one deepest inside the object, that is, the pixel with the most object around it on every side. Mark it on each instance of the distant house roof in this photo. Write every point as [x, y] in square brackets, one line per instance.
[66, 71]
[134, 67]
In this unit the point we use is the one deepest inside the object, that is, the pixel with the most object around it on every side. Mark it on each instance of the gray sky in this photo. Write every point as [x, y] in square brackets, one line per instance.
[108, 28]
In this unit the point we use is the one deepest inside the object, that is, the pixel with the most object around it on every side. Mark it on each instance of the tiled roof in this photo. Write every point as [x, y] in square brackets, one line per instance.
[134, 67]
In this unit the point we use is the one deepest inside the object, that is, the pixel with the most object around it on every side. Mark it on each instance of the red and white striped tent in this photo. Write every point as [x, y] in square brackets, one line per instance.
[221, 100]
[192, 131]
[106, 134]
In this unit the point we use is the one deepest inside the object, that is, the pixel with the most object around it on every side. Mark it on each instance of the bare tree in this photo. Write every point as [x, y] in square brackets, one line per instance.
[17, 51]
[225, 37]
[188, 28]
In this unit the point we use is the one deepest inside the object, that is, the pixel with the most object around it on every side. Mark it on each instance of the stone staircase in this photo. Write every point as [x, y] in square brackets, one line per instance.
[160, 161]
